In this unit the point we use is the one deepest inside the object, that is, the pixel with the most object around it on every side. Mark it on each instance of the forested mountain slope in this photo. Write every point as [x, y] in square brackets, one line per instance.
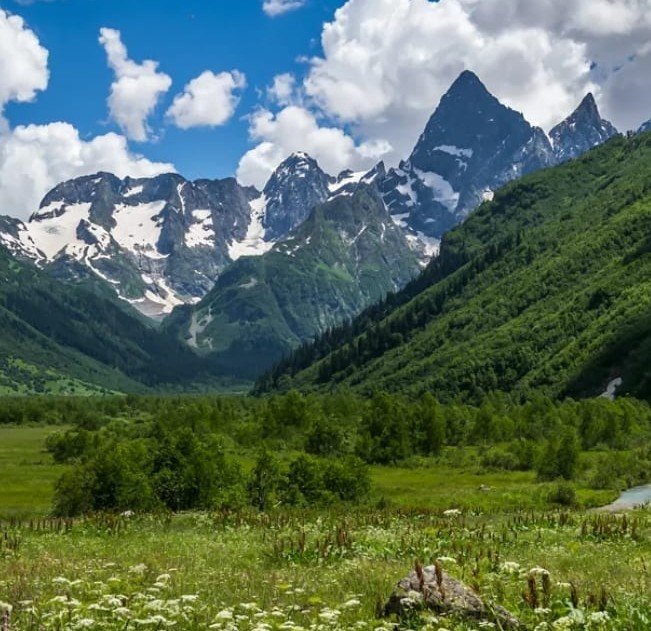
[61, 338]
[346, 255]
[547, 288]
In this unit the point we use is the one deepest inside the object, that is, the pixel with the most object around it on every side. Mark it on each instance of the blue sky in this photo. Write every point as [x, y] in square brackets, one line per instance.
[362, 77]
[186, 38]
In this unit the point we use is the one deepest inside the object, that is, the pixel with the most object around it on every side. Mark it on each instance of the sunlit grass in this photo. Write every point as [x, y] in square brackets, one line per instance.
[27, 471]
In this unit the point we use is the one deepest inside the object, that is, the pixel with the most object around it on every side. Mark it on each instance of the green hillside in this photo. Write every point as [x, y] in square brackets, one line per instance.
[547, 288]
[347, 255]
[66, 338]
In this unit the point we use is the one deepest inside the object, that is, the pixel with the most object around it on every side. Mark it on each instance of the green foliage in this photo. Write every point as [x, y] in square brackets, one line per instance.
[560, 457]
[76, 338]
[563, 493]
[310, 481]
[171, 469]
[544, 290]
[343, 258]
[264, 480]
[179, 453]
[325, 438]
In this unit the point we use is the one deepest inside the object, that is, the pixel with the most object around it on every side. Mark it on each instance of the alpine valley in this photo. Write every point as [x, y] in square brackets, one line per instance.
[225, 280]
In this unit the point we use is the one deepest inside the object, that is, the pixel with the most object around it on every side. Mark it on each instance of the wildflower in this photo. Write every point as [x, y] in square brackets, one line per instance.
[225, 614]
[538, 571]
[113, 601]
[329, 615]
[189, 598]
[452, 512]
[352, 603]
[598, 618]
[85, 623]
[447, 560]
[510, 567]
[542, 611]
[61, 580]
[6, 608]
[141, 568]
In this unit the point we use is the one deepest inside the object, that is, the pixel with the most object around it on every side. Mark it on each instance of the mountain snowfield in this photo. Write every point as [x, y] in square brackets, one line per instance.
[163, 242]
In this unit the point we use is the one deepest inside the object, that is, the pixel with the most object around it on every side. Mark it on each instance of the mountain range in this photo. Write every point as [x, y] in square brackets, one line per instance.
[240, 277]
[545, 289]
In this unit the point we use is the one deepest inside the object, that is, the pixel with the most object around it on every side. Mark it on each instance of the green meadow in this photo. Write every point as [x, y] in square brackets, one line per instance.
[535, 546]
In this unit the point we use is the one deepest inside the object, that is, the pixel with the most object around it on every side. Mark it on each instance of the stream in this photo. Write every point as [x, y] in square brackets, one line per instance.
[632, 498]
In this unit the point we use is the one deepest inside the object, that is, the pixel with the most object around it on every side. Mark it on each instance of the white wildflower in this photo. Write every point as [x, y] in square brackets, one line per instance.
[452, 512]
[510, 567]
[225, 614]
[447, 560]
[61, 580]
[141, 568]
[598, 618]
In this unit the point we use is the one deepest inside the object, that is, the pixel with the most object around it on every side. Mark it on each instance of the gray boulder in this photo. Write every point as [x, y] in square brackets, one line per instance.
[432, 588]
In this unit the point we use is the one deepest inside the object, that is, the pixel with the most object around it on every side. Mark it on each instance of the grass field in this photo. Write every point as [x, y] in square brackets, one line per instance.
[326, 570]
[28, 473]
[28, 477]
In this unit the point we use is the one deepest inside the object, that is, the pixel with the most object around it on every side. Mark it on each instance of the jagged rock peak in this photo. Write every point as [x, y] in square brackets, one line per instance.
[581, 131]
[471, 144]
[293, 190]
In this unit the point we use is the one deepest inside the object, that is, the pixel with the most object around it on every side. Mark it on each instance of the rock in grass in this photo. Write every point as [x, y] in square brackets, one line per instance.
[432, 588]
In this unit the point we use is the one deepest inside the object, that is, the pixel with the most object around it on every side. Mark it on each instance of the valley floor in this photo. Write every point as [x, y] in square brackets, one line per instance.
[323, 570]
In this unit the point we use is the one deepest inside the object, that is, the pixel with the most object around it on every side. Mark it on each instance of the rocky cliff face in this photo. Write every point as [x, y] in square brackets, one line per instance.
[345, 256]
[471, 146]
[581, 131]
[294, 189]
[163, 242]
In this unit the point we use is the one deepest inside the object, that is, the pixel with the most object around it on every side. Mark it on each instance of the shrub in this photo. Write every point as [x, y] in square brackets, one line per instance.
[176, 470]
[325, 439]
[497, 458]
[562, 493]
[264, 480]
[560, 458]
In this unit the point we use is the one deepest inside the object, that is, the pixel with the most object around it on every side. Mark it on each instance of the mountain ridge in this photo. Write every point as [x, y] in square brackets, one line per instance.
[540, 290]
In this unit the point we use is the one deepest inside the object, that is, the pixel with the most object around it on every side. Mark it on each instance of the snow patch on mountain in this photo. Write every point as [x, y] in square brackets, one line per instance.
[56, 227]
[138, 228]
[443, 190]
[455, 151]
[254, 243]
[201, 232]
[132, 192]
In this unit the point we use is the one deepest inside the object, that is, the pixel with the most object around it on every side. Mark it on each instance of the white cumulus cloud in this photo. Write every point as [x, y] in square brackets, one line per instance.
[23, 61]
[386, 63]
[207, 101]
[137, 87]
[293, 129]
[35, 158]
[283, 89]
[277, 7]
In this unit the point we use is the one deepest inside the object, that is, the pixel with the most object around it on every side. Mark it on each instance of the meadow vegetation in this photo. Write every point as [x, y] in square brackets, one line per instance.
[302, 512]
